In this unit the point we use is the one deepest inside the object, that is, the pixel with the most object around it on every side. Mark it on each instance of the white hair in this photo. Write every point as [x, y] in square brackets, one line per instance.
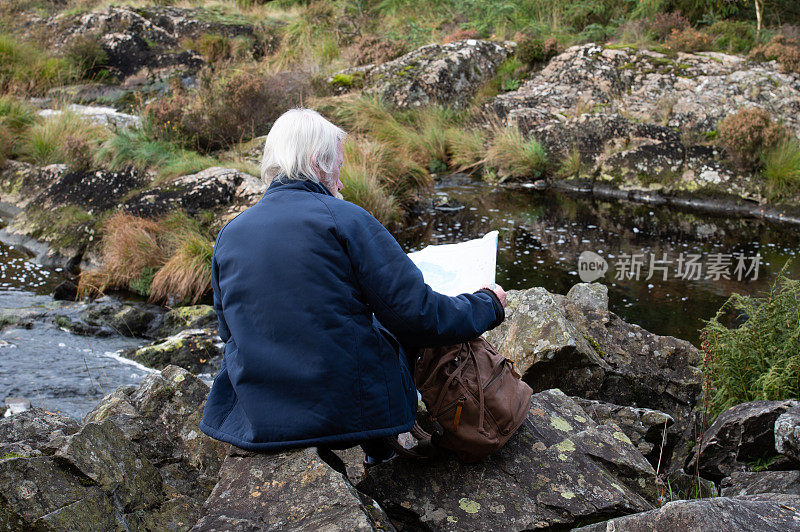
[297, 139]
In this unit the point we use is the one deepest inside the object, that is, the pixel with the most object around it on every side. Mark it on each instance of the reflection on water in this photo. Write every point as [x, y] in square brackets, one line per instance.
[542, 235]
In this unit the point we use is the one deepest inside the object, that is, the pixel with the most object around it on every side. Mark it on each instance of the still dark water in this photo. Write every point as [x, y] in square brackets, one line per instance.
[543, 234]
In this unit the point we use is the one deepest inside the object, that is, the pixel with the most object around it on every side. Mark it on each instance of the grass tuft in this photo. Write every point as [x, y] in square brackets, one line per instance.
[782, 170]
[515, 157]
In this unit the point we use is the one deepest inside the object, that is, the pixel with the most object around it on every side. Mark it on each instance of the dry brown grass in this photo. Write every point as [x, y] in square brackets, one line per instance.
[186, 276]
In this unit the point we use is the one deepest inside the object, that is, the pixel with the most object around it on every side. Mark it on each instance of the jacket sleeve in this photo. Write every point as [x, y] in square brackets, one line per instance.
[224, 333]
[394, 288]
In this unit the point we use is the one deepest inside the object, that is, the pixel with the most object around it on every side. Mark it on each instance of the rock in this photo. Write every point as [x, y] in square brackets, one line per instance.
[434, 74]
[678, 485]
[740, 435]
[594, 295]
[592, 353]
[769, 512]
[66, 291]
[102, 453]
[560, 468]
[197, 350]
[211, 188]
[646, 428]
[103, 116]
[640, 119]
[787, 434]
[126, 319]
[293, 490]
[187, 317]
[36, 427]
[752, 483]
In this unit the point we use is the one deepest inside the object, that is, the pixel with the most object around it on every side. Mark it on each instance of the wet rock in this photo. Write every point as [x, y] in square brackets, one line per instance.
[211, 188]
[126, 319]
[197, 350]
[66, 291]
[593, 295]
[592, 353]
[444, 74]
[787, 434]
[740, 435]
[646, 428]
[102, 453]
[752, 483]
[36, 427]
[560, 468]
[293, 490]
[768, 512]
[188, 317]
[16, 405]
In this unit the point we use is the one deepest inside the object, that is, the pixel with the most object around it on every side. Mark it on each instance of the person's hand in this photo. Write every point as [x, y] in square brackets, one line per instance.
[499, 292]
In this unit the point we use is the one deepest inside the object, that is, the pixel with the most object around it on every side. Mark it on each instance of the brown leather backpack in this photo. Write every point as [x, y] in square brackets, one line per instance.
[474, 394]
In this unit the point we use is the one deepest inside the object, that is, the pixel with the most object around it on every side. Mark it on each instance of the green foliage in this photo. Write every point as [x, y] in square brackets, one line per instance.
[61, 137]
[141, 285]
[761, 358]
[733, 36]
[87, 56]
[28, 70]
[513, 156]
[782, 170]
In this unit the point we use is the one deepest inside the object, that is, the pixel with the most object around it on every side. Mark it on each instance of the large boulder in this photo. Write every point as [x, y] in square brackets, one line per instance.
[560, 468]
[434, 74]
[787, 434]
[576, 344]
[752, 483]
[197, 350]
[740, 435]
[767, 513]
[139, 462]
[292, 490]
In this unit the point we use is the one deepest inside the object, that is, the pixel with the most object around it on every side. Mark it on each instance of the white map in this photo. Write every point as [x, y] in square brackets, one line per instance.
[454, 269]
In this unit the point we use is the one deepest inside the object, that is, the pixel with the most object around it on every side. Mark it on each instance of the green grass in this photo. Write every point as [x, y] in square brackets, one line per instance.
[363, 175]
[134, 147]
[513, 156]
[28, 70]
[50, 140]
[782, 170]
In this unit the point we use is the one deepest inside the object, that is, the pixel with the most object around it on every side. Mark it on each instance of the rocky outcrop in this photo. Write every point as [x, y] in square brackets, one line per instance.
[768, 513]
[198, 350]
[560, 468]
[293, 490]
[189, 317]
[579, 346]
[139, 462]
[787, 434]
[752, 483]
[740, 435]
[639, 118]
[434, 74]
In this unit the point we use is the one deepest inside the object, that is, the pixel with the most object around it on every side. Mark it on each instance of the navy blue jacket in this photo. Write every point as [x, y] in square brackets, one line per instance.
[298, 281]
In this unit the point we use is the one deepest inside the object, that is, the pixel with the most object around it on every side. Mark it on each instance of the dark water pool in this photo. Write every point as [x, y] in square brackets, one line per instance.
[542, 236]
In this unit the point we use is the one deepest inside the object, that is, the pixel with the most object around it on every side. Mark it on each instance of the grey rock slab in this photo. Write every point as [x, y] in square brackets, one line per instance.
[787, 434]
[752, 483]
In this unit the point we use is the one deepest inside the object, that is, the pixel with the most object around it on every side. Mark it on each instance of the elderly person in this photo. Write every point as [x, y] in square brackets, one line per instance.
[318, 305]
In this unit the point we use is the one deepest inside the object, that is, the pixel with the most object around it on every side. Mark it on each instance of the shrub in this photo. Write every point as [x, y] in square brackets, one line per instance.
[782, 170]
[515, 157]
[688, 40]
[228, 107]
[212, 46]
[781, 49]
[597, 33]
[44, 143]
[663, 24]
[362, 173]
[86, 54]
[760, 359]
[16, 115]
[29, 71]
[748, 133]
[733, 36]
[371, 49]
[532, 50]
[460, 35]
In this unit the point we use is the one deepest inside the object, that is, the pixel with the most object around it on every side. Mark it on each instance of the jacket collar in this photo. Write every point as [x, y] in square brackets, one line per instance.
[281, 182]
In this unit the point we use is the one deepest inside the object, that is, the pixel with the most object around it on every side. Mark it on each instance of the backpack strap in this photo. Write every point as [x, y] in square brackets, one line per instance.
[481, 398]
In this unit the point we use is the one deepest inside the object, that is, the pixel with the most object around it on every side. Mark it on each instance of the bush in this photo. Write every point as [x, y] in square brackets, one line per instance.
[760, 359]
[663, 24]
[460, 35]
[749, 133]
[733, 36]
[27, 70]
[371, 49]
[515, 157]
[44, 143]
[688, 40]
[212, 46]
[532, 50]
[228, 107]
[87, 55]
[782, 49]
[782, 170]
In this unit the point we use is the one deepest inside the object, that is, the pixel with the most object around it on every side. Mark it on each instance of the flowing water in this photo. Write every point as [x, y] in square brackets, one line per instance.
[541, 237]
